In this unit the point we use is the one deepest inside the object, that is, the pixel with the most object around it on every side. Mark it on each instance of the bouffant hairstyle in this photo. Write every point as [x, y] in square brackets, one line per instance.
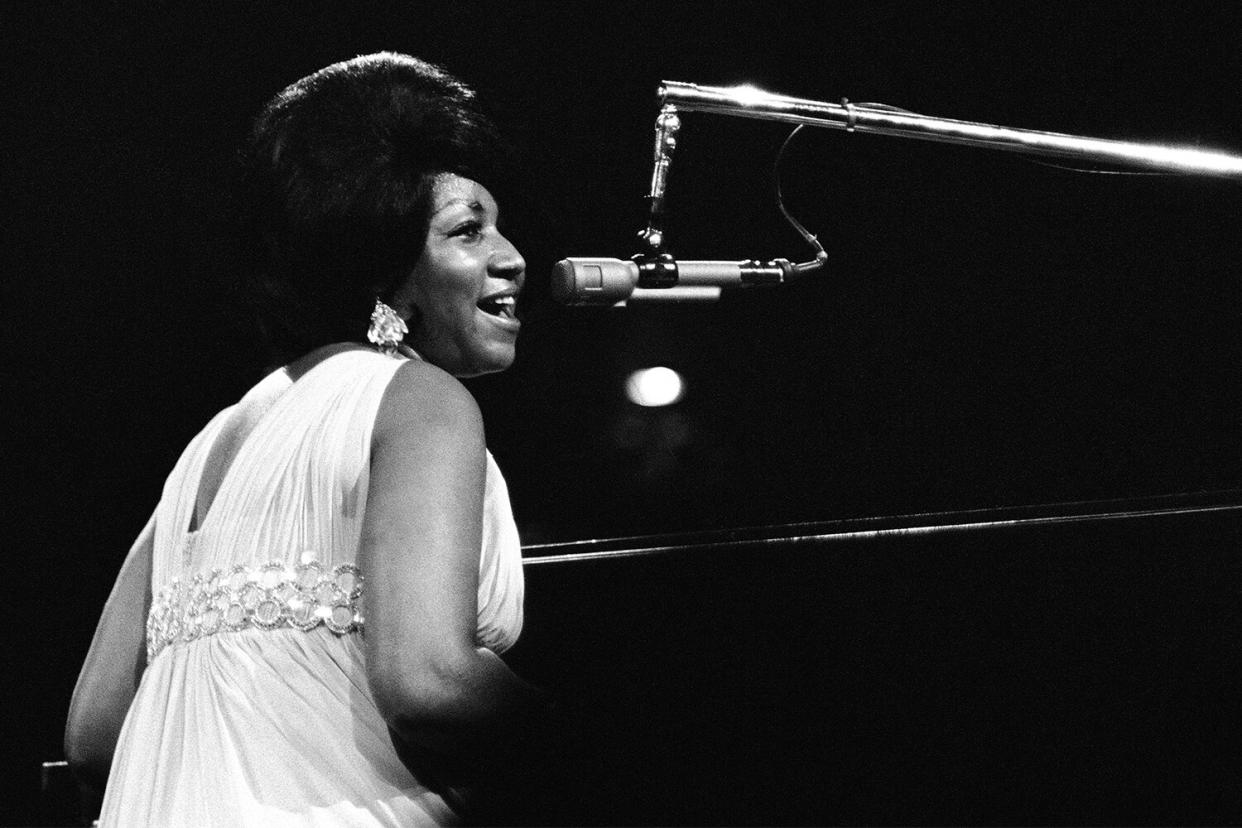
[336, 190]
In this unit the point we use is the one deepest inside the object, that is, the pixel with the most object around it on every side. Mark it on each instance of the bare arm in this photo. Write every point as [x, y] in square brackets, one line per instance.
[420, 555]
[113, 668]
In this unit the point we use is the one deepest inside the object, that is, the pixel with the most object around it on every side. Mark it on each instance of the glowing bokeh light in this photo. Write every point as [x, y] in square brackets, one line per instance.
[653, 387]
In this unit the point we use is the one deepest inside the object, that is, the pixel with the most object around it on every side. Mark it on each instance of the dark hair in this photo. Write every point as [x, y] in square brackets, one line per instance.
[336, 189]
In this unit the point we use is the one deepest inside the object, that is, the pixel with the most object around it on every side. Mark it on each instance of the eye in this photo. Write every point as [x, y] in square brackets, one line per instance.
[470, 229]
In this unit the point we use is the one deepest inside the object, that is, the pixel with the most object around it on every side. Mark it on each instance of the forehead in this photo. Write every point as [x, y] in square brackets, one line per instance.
[450, 189]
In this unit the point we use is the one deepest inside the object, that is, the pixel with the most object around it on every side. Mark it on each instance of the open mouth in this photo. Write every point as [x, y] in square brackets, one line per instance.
[504, 307]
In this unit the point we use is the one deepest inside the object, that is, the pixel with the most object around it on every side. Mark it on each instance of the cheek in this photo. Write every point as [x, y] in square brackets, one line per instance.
[446, 281]
[443, 312]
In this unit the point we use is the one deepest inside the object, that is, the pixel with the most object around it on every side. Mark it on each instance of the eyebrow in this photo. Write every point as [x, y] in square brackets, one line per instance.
[474, 205]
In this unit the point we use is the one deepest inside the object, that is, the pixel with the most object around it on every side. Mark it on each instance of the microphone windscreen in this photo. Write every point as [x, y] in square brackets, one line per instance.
[583, 281]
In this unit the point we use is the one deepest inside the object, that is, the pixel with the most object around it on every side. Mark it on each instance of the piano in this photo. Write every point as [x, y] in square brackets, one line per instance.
[1063, 664]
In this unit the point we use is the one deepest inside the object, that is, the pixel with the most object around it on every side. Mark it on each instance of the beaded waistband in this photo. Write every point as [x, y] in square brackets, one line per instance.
[268, 596]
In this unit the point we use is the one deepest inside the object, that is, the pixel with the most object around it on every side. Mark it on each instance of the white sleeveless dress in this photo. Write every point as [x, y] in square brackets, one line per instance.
[254, 709]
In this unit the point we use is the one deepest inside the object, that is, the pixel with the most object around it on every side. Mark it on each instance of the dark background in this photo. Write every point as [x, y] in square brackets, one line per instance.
[988, 332]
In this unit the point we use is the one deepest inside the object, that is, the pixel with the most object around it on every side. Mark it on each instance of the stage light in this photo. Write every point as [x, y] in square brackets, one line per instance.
[652, 387]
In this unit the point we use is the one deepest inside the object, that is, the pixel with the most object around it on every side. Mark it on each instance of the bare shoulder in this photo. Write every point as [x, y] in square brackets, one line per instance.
[422, 398]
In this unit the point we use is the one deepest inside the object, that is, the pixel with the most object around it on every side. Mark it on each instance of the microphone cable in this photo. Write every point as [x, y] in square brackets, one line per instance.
[821, 257]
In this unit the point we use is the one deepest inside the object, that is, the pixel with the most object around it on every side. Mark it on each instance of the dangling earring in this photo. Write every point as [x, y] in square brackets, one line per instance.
[387, 329]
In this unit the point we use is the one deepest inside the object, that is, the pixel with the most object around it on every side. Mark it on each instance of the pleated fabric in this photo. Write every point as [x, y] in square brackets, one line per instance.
[254, 708]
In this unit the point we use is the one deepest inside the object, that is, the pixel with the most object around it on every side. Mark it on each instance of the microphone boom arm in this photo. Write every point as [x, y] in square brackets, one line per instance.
[748, 102]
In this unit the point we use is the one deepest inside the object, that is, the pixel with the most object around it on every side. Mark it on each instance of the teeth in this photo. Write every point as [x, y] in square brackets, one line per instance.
[499, 305]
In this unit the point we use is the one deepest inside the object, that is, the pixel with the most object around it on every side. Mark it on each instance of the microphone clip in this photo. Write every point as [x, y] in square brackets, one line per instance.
[655, 270]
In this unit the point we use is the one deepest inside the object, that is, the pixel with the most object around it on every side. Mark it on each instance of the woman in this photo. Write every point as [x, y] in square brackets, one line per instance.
[348, 491]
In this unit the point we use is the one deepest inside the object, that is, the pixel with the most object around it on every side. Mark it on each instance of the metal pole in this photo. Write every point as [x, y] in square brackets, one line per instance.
[748, 102]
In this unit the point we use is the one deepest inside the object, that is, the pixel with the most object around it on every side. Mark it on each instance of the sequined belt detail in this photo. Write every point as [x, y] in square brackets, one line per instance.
[268, 596]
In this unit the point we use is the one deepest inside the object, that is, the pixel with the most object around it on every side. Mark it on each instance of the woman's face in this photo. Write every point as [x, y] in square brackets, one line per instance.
[462, 293]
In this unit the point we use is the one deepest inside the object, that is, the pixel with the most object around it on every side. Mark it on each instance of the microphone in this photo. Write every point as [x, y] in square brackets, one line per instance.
[647, 279]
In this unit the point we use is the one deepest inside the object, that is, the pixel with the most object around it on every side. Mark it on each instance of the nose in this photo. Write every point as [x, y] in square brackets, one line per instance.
[505, 262]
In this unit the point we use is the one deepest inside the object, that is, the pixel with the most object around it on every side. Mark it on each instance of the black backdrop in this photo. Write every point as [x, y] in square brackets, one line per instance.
[989, 331]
